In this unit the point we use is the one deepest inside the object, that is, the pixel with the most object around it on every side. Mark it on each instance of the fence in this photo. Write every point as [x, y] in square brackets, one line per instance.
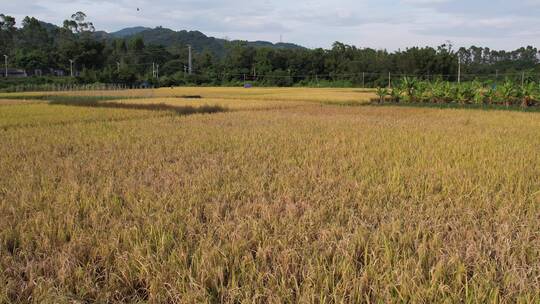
[362, 80]
[366, 79]
[74, 87]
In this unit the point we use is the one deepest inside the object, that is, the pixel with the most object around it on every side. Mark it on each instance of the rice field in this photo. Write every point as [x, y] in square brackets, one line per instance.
[265, 196]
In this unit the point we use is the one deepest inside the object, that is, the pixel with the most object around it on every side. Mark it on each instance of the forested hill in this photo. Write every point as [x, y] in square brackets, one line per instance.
[200, 42]
[171, 39]
[130, 31]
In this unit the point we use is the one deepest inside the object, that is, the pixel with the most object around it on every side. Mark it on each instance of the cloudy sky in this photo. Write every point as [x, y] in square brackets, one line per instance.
[390, 24]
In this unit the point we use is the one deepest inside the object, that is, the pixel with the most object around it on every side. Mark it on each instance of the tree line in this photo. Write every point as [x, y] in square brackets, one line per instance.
[44, 49]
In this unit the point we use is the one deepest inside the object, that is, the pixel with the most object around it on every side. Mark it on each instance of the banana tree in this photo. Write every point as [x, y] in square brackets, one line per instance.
[479, 96]
[527, 94]
[382, 93]
[453, 94]
[490, 95]
[396, 94]
[467, 92]
[438, 92]
[423, 92]
[447, 92]
[507, 92]
[410, 85]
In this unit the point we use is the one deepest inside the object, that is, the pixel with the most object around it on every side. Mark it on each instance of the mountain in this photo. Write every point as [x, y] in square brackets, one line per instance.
[199, 41]
[49, 27]
[101, 35]
[169, 38]
[130, 31]
[279, 45]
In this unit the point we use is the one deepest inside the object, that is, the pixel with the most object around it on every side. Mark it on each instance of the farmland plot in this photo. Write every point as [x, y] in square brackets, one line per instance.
[260, 198]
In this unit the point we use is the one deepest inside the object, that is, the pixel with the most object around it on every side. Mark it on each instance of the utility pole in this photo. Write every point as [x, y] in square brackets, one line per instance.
[71, 66]
[6, 63]
[459, 70]
[389, 79]
[190, 64]
[522, 79]
[153, 69]
[363, 80]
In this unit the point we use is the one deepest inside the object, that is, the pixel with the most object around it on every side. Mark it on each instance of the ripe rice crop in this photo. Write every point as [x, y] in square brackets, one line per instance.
[270, 201]
[238, 94]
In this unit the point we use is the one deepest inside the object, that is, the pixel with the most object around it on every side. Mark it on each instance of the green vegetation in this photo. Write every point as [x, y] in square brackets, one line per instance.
[508, 94]
[382, 93]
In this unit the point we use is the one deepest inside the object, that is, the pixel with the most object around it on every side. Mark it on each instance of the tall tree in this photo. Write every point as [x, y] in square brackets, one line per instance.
[7, 32]
[78, 23]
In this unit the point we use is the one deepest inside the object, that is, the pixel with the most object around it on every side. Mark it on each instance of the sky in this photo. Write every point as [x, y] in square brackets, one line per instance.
[382, 24]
